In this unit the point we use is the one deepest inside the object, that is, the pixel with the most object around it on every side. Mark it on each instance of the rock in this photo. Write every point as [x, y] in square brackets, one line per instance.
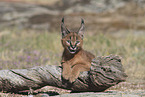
[96, 6]
[19, 14]
[44, 17]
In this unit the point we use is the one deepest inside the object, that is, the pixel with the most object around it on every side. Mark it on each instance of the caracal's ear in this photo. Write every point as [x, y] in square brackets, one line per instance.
[64, 30]
[81, 30]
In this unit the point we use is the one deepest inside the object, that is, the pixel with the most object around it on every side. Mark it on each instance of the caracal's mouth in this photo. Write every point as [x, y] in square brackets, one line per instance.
[72, 50]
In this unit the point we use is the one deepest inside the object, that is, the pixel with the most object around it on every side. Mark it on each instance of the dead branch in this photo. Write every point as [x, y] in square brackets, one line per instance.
[104, 73]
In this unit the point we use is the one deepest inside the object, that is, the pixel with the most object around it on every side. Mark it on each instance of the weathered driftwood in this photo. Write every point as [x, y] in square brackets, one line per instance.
[104, 73]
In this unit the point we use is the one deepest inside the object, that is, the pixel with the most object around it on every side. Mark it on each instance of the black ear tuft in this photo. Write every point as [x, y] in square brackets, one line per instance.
[82, 21]
[62, 20]
[64, 30]
[81, 30]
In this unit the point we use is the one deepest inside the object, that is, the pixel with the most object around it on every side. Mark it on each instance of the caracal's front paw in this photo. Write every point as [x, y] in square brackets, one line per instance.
[72, 78]
[65, 75]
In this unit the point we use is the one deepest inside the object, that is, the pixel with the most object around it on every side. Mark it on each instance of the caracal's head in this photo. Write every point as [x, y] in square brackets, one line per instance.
[72, 41]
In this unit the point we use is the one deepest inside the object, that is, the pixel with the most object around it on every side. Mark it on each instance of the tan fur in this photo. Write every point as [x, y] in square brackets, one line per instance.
[75, 63]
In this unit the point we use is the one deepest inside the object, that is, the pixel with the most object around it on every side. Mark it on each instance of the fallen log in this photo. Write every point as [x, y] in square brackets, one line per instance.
[104, 73]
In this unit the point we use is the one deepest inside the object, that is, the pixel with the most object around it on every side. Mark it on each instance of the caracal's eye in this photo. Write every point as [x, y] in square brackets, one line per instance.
[68, 41]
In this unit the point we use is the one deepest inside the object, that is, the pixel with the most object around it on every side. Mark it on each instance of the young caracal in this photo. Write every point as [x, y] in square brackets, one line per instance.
[74, 58]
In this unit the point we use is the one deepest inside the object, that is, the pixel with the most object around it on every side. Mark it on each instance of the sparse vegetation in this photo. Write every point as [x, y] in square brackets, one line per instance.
[25, 49]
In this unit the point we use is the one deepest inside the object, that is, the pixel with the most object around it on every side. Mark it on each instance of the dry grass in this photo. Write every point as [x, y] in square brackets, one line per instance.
[29, 48]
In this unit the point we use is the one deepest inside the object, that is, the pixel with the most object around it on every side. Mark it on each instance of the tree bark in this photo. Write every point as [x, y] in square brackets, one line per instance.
[104, 73]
